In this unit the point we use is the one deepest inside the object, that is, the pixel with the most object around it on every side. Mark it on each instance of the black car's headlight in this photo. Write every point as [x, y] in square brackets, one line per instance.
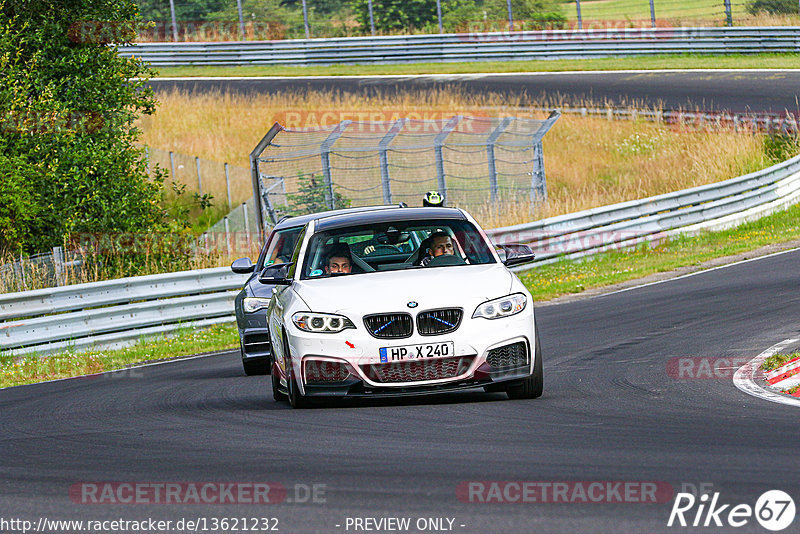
[324, 323]
[253, 304]
[502, 307]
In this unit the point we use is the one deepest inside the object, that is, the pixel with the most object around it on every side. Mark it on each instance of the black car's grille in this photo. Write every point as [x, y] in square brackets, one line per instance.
[435, 322]
[418, 370]
[256, 343]
[389, 325]
[508, 356]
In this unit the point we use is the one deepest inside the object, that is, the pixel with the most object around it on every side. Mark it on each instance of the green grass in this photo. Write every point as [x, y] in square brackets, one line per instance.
[15, 371]
[775, 361]
[683, 61]
[567, 277]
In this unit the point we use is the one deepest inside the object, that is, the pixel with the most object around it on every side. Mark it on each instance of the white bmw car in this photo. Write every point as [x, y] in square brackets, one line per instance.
[401, 301]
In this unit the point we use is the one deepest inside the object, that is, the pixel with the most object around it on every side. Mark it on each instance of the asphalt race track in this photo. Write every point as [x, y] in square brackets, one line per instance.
[610, 412]
[735, 91]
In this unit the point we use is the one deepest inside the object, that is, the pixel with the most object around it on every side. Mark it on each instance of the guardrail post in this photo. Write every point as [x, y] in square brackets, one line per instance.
[491, 158]
[728, 14]
[438, 142]
[228, 186]
[325, 151]
[383, 148]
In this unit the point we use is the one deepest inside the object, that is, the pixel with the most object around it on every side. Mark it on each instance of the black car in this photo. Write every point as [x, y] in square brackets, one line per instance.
[252, 301]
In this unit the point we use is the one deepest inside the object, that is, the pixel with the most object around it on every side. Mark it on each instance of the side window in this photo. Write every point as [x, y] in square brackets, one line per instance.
[296, 252]
[281, 246]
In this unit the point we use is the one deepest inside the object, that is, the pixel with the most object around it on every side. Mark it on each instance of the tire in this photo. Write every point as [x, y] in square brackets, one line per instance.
[277, 394]
[296, 399]
[531, 387]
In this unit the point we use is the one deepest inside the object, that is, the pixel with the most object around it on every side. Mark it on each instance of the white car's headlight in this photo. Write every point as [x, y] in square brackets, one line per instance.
[502, 307]
[253, 304]
[325, 323]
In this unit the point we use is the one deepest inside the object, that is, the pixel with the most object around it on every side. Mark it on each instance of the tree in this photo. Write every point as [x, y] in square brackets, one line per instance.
[69, 103]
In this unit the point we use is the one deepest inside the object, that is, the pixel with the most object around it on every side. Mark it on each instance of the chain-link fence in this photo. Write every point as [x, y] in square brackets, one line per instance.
[474, 162]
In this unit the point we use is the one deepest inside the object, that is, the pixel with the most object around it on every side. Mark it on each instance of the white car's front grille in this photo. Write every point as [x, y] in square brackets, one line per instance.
[389, 325]
[437, 322]
[418, 370]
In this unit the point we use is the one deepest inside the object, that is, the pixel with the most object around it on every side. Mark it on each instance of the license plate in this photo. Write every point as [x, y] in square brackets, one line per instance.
[411, 352]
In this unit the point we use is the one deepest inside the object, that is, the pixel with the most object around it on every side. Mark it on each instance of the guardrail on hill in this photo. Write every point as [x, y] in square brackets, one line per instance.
[498, 46]
[123, 310]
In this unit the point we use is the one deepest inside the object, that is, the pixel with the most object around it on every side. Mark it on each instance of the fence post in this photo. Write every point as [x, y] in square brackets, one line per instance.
[438, 142]
[172, 165]
[491, 158]
[227, 235]
[325, 151]
[58, 264]
[653, 13]
[371, 17]
[383, 148]
[199, 180]
[578, 10]
[243, 36]
[439, 15]
[538, 180]
[174, 22]
[305, 20]
[728, 14]
[228, 186]
[510, 16]
[263, 206]
[246, 224]
[147, 158]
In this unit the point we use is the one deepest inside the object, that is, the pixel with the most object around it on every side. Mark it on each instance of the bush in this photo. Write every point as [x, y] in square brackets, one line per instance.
[70, 102]
[773, 7]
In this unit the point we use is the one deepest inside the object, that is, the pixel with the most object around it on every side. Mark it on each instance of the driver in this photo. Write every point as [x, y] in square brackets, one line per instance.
[339, 260]
[440, 244]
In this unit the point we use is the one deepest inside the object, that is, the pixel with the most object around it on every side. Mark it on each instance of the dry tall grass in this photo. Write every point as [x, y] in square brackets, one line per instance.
[590, 162]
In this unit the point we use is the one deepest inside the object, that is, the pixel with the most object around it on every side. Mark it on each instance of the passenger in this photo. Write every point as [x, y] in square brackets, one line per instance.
[339, 260]
[440, 244]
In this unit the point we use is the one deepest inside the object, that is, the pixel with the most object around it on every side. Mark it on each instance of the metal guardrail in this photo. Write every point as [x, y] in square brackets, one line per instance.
[116, 311]
[498, 46]
[711, 206]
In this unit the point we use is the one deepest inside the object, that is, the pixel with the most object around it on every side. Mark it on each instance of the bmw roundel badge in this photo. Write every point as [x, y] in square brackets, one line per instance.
[413, 304]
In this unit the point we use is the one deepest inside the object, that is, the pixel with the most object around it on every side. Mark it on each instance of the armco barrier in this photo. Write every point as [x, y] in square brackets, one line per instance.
[122, 310]
[497, 46]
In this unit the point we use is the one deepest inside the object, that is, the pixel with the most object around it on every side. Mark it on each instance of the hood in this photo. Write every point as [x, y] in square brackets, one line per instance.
[391, 291]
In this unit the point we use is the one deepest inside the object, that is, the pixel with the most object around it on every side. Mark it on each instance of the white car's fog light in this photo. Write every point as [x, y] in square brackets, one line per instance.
[502, 307]
[324, 323]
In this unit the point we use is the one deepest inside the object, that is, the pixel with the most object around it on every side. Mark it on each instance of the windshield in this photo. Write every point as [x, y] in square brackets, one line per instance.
[280, 247]
[393, 246]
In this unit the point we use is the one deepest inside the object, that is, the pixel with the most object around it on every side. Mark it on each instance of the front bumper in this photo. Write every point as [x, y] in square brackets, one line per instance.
[359, 352]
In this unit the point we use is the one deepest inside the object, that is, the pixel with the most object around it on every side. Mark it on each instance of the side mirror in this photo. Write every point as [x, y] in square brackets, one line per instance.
[243, 266]
[276, 274]
[515, 254]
